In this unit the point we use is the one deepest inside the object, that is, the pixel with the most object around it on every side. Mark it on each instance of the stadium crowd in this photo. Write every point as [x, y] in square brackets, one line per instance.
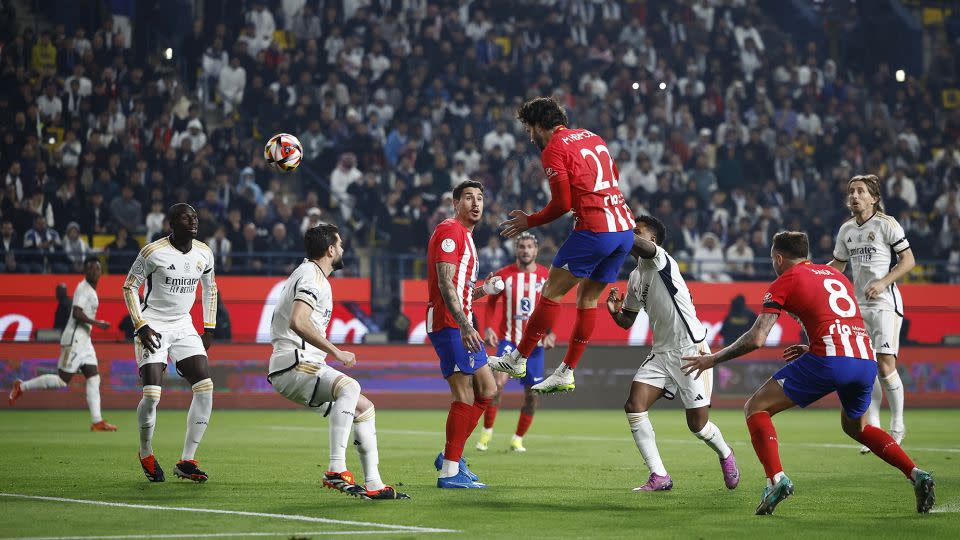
[720, 125]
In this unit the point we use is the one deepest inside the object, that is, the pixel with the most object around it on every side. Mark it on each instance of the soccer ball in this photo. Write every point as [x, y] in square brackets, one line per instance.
[284, 152]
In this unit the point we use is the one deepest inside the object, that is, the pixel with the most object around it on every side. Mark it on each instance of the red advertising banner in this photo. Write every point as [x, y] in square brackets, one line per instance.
[28, 303]
[932, 311]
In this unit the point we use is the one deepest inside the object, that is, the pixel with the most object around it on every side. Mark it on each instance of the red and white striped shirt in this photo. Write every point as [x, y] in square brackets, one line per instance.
[452, 243]
[520, 295]
[822, 299]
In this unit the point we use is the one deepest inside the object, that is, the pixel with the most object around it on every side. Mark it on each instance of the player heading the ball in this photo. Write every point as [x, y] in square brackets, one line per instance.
[583, 177]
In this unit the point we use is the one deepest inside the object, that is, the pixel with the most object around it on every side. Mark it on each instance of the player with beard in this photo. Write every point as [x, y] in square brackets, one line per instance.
[171, 268]
[299, 372]
[451, 285]
[583, 178]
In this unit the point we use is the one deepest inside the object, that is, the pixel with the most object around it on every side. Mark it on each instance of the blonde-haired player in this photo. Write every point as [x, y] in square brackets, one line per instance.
[299, 372]
[76, 349]
[868, 242]
[171, 268]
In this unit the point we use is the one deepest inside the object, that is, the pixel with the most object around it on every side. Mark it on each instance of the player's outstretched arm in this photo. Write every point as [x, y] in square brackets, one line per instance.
[751, 340]
[643, 248]
[301, 325]
[623, 317]
[469, 335]
[81, 317]
[560, 203]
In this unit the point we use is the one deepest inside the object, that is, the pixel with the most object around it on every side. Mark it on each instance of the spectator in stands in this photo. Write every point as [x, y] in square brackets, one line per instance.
[739, 319]
[75, 247]
[64, 307]
[44, 248]
[9, 243]
[221, 247]
[709, 261]
[342, 177]
[231, 83]
[121, 252]
[282, 245]
[740, 259]
[251, 251]
[126, 210]
[492, 256]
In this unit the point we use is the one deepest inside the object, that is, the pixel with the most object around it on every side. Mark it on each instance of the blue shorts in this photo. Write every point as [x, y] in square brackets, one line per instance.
[534, 363]
[594, 255]
[810, 377]
[453, 356]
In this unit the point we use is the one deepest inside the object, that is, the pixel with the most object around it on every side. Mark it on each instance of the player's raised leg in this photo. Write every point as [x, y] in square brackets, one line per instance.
[48, 381]
[196, 371]
[767, 401]
[637, 408]
[152, 377]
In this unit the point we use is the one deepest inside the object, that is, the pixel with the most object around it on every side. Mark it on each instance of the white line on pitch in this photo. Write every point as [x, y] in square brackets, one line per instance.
[290, 517]
[195, 535]
[603, 439]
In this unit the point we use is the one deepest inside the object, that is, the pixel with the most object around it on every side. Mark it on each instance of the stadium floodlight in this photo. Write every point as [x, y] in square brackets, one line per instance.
[168, 53]
[901, 75]
[636, 86]
[663, 86]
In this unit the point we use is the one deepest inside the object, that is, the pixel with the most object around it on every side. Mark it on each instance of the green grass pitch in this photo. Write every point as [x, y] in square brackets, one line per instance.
[574, 481]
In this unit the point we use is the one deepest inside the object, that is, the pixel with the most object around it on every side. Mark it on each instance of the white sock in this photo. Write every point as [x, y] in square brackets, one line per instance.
[449, 468]
[93, 398]
[894, 387]
[43, 382]
[147, 418]
[365, 437]
[873, 411]
[776, 478]
[198, 417]
[711, 435]
[562, 369]
[516, 437]
[342, 414]
[646, 440]
[487, 431]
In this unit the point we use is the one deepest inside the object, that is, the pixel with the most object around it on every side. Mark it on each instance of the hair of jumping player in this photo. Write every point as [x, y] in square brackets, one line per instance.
[792, 244]
[89, 262]
[542, 112]
[659, 229]
[458, 191]
[317, 240]
[174, 211]
[873, 187]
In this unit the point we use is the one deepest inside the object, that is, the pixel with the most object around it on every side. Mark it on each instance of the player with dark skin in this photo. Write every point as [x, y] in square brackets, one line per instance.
[92, 273]
[184, 223]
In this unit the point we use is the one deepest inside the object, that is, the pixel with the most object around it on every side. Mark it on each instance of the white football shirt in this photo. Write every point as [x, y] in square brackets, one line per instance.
[657, 287]
[869, 249]
[309, 285]
[171, 278]
[76, 333]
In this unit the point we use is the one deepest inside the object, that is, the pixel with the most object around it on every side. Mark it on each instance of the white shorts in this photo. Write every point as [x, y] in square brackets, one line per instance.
[884, 329]
[73, 357]
[662, 370]
[177, 341]
[307, 382]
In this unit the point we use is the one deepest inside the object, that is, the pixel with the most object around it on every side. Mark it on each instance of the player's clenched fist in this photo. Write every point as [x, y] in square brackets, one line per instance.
[615, 300]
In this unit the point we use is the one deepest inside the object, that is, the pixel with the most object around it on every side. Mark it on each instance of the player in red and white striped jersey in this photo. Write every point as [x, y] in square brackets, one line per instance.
[839, 359]
[451, 282]
[523, 282]
[583, 178]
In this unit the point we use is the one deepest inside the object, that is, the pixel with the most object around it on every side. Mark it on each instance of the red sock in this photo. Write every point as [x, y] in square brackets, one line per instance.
[524, 424]
[544, 315]
[764, 438]
[882, 444]
[490, 416]
[582, 330]
[476, 411]
[458, 429]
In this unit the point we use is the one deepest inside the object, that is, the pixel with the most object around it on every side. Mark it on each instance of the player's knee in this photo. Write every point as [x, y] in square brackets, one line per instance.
[363, 404]
[345, 386]
[748, 408]
[151, 395]
[634, 406]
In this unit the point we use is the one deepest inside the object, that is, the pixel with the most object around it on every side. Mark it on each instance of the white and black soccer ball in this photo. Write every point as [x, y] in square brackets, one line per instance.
[284, 152]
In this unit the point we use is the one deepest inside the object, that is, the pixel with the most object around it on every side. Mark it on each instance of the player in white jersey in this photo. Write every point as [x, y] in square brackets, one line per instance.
[870, 241]
[299, 372]
[76, 349]
[172, 267]
[657, 287]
